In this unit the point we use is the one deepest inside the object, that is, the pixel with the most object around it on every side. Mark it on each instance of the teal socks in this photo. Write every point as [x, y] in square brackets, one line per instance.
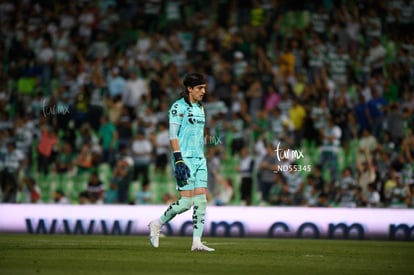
[200, 205]
[178, 207]
[182, 205]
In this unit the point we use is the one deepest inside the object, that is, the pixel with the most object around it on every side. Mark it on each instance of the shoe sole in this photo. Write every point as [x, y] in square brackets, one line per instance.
[202, 250]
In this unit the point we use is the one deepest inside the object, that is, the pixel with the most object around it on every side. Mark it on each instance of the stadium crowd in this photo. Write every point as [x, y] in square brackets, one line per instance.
[324, 88]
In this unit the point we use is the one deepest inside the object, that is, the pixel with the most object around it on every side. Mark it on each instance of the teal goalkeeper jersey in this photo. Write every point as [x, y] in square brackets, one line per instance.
[191, 120]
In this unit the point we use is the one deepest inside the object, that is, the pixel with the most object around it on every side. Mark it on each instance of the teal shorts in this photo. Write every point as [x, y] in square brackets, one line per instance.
[198, 174]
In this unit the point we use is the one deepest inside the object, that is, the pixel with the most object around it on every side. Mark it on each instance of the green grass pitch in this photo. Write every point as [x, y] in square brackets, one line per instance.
[22, 254]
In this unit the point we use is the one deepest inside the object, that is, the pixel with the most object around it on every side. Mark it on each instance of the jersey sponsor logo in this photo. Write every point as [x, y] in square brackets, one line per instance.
[193, 121]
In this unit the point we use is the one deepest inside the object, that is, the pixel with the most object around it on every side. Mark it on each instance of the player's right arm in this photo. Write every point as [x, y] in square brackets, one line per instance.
[175, 116]
[175, 146]
[181, 170]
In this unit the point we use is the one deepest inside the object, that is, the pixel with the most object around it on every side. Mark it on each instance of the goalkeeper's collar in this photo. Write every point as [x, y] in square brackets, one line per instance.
[191, 104]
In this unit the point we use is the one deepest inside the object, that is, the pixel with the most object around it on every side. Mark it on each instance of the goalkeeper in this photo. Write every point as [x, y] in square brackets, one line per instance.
[186, 133]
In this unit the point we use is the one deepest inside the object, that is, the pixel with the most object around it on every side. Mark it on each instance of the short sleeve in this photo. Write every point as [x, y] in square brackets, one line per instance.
[176, 113]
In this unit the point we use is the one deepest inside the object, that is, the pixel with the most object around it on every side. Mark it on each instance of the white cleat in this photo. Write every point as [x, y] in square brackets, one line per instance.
[201, 247]
[154, 228]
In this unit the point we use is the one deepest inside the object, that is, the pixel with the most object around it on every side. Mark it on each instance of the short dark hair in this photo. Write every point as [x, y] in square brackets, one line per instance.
[194, 79]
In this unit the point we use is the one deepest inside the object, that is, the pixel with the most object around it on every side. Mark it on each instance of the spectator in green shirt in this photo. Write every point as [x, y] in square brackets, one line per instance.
[390, 91]
[108, 137]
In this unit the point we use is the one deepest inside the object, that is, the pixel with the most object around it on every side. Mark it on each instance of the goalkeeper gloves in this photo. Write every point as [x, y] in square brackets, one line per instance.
[181, 172]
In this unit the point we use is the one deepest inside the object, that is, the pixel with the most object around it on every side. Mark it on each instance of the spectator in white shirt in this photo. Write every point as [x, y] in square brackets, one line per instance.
[225, 191]
[60, 198]
[162, 147]
[136, 91]
[46, 57]
[377, 54]
[331, 136]
[373, 197]
[245, 170]
[142, 155]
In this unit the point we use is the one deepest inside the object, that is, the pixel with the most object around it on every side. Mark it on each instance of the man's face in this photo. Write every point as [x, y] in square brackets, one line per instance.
[197, 92]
